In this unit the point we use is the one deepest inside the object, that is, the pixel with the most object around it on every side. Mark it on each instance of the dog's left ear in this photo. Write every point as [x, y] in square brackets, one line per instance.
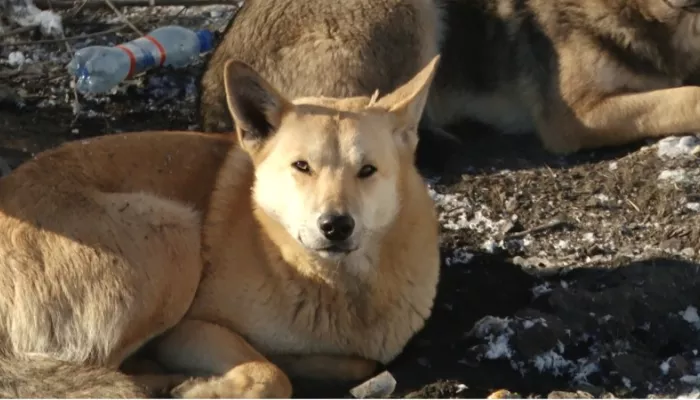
[256, 107]
[407, 102]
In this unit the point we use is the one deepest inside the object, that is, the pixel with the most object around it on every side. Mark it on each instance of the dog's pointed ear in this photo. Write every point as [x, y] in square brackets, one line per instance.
[407, 102]
[256, 107]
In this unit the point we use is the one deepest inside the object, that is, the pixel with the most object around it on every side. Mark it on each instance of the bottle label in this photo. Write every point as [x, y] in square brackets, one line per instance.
[143, 53]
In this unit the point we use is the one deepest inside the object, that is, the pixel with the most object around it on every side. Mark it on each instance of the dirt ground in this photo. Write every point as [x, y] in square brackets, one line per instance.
[569, 274]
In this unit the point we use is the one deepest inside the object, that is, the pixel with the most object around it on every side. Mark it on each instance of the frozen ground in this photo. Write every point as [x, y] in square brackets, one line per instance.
[560, 274]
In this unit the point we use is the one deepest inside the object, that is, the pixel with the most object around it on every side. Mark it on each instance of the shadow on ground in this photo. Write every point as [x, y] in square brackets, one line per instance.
[629, 329]
[480, 149]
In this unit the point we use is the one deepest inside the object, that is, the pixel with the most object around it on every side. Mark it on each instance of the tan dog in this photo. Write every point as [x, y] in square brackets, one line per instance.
[311, 250]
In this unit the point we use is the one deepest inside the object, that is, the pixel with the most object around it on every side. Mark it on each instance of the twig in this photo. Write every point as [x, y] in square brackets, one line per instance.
[633, 205]
[18, 31]
[69, 38]
[123, 17]
[553, 224]
[79, 8]
[93, 4]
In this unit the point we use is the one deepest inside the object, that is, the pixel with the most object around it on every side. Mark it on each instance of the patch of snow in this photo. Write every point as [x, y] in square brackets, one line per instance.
[665, 366]
[602, 197]
[499, 348]
[541, 289]
[677, 146]
[459, 256]
[628, 383]
[498, 334]
[490, 246]
[584, 370]
[694, 394]
[673, 175]
[691, 379]
[25, 13]
[694, 206]
[552, 362]
[691, 316]
[16, 59]
[561, 245]
[612, 166]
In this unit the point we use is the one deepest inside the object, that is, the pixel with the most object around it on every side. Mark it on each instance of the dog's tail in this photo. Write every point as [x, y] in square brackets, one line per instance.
[43, 377]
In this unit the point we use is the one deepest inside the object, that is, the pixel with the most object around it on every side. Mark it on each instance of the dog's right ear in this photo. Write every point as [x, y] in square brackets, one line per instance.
[256, 107]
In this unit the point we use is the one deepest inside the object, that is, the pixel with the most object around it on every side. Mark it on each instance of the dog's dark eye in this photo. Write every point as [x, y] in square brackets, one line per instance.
[366, 171]
[302, 166]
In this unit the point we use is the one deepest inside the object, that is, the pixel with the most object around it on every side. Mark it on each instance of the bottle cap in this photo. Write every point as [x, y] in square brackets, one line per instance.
[206, 40]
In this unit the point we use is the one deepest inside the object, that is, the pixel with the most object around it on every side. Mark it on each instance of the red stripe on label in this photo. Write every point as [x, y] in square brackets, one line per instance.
[160, 48]
[132, 60]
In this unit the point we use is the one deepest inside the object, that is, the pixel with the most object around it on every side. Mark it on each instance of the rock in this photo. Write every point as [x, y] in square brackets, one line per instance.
[382, 385]
[10, 97]
[678, 366]
[569, 395]
[671, 244]
[638, 370]
[541, 334]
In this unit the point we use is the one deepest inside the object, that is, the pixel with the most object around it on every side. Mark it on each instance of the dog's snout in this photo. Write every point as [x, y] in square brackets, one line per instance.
[336, 227]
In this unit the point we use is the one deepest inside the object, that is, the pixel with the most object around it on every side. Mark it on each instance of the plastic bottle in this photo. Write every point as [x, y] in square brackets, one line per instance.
[100, 68]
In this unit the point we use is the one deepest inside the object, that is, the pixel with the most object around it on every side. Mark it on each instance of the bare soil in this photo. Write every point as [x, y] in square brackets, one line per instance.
[559, 273]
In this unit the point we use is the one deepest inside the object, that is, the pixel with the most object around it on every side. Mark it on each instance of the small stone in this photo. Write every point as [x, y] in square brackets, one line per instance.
[382, 385]
[569, 395]
[688, 252]
[671, 244]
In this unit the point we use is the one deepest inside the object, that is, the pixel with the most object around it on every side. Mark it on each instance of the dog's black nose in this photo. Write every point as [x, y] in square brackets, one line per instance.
[336, 227]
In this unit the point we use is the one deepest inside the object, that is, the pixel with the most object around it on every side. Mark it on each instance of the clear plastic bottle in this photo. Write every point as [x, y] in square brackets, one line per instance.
[100, 68]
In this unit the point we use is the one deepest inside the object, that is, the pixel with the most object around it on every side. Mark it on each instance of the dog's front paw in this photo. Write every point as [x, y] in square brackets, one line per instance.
[238, 383]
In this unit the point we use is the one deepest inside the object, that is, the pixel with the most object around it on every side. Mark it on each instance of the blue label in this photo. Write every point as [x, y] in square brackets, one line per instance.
[145, 60]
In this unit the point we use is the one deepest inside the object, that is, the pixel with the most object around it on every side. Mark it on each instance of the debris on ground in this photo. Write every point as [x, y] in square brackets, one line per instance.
[382, 385]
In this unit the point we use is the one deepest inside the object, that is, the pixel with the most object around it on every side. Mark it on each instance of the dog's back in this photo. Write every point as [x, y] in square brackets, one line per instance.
[322, 48]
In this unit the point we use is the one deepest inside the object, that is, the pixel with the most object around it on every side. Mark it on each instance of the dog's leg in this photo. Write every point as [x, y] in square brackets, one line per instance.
[201, 348]
[327, 367]
[622, 119]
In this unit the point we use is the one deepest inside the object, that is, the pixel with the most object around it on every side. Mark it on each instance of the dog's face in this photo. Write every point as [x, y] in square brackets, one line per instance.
[327, 170]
